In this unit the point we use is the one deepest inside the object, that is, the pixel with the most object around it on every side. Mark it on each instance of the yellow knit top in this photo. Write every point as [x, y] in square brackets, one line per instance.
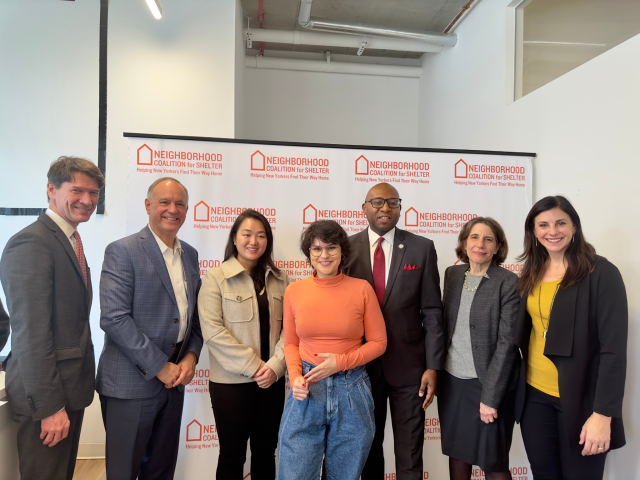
[541, 372]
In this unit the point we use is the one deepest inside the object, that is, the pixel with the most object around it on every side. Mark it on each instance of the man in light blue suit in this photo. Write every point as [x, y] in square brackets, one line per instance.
[148, 291]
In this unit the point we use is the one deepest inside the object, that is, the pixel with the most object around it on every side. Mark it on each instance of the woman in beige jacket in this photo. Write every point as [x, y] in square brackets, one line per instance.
[240, 307]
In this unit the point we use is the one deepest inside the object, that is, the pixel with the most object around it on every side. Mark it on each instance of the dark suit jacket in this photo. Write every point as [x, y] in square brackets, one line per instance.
[140, 315]
[587, 342]
[51, 364]
[491, 322]
[412, 307]
[4, 326]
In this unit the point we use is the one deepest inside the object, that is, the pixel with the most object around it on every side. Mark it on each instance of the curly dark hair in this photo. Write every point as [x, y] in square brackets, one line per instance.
[327, 231]
[498, 232]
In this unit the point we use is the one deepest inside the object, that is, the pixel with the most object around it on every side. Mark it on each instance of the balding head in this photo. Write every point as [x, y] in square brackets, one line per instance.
[383, 219]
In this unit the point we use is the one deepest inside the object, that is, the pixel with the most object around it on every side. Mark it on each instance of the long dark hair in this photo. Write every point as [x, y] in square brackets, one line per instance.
[265, 261]
[580, 255]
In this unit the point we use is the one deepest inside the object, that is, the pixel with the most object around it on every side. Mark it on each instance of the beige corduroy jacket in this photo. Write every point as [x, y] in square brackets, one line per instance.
[230, 322]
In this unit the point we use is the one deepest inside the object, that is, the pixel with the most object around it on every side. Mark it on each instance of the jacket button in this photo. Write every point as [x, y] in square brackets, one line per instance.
[175, 320]
[239, 298]
[173, 345]
[473, 326]
[475, 346]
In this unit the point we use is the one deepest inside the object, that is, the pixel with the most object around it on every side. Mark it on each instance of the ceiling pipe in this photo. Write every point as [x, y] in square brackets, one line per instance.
[304, 37]
[332, 67]
[455, 20]
[354, 28]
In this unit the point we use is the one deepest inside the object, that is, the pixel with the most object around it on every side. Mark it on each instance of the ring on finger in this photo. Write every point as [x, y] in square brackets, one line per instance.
[600, 448]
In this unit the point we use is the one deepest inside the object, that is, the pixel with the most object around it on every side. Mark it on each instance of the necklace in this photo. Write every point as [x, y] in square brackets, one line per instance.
[466, 285]
[546, 327]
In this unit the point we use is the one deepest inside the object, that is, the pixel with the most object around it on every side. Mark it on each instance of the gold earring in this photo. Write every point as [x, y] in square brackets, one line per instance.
[536, 241]
[573, 239]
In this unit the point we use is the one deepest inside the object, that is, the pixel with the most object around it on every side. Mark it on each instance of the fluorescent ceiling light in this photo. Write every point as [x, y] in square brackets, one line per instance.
[156, 9]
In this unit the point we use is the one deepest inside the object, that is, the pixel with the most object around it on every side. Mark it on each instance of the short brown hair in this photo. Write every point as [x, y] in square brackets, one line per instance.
[327, 231]
[498, 232]
[64, 168]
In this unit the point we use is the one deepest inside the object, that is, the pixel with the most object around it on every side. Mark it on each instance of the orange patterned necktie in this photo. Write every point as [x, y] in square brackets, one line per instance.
[80, 255]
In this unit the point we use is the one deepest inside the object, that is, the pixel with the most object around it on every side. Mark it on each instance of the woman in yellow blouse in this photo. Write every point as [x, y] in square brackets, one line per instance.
[572, 333]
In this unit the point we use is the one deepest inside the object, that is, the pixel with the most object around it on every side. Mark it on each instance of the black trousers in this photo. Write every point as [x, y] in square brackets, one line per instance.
[548, 446]
[245, 411]
[41, 462]
[407, 420]
[142, 435]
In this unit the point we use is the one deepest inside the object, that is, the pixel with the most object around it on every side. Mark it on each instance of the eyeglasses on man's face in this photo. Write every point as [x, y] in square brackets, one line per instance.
[332, 251]
[379, 202]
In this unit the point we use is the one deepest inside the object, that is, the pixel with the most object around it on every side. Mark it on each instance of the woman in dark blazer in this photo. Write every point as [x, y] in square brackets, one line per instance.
[476, 389]
[572, 332]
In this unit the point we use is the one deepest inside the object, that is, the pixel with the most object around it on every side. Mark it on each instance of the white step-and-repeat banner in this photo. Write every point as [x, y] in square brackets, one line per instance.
[294, 185]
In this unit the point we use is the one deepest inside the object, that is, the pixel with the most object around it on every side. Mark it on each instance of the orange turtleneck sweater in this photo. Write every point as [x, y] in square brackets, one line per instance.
[332, 315]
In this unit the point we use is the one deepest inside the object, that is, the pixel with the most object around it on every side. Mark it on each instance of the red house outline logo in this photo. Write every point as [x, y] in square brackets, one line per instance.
[461, 170]
[362, 165]
[144, 160]
[258, 161]
[191, 432]
[201, 212]
[308, 212]
[407, 221]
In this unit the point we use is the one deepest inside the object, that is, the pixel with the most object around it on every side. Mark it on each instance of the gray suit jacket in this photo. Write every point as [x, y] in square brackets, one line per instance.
[51, 364]
[140, 316]
[491, 322]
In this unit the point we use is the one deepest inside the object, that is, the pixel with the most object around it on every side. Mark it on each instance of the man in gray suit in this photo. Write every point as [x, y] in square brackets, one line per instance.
[403, 271]
[51, 367]
[148, 291]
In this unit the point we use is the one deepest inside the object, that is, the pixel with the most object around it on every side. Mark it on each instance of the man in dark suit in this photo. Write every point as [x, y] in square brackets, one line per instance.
[402, 268]
[51, 367]
[148, 291]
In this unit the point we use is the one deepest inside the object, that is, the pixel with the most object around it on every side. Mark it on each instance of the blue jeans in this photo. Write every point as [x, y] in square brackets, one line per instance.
[336, 419]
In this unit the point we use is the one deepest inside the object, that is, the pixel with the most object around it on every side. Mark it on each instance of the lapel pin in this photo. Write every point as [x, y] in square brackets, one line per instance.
[401, 246]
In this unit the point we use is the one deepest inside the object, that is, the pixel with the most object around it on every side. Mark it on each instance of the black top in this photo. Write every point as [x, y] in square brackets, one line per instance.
[265, 327]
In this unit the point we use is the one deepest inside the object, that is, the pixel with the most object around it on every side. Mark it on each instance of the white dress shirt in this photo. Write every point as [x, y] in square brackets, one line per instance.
[173, 260]
[64, 226]
[387, 248]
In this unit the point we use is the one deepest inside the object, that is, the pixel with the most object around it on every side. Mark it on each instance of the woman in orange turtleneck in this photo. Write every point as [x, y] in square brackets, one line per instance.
[327, 316]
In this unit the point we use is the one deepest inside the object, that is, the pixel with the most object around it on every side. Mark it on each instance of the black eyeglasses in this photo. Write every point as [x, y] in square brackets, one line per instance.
[379, 202]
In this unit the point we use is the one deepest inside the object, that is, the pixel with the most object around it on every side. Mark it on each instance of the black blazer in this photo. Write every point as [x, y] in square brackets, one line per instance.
[491, 322]
[412, 307]
[51, 364]
[587, 342]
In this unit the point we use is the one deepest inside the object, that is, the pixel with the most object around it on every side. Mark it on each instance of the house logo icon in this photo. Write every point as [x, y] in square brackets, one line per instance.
[411, 218]
[201, 212]
[362, 166]
[309, 215]
[461, 169]
[145, 155]
[194, 432]
[257, 161]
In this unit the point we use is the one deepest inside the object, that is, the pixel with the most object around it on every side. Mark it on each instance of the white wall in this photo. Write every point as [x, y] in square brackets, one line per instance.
[330, 108]
[168, 76]
[583, 126]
